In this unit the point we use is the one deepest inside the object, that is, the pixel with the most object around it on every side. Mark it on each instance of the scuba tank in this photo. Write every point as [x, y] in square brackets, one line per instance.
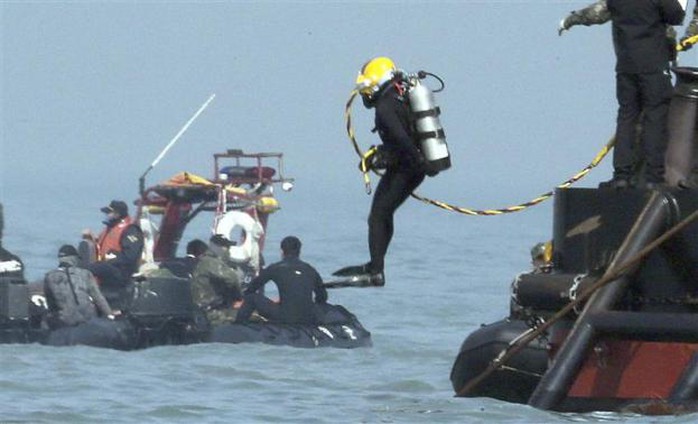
[430, 133]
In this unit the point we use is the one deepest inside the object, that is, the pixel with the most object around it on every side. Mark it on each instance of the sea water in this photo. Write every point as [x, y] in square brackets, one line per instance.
[446, 275]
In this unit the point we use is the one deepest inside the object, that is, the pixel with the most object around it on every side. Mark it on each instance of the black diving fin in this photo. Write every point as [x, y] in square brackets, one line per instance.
[353, 270]
[359, 280]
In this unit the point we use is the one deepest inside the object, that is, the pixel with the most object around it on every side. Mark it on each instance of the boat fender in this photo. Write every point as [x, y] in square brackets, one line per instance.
[247, 249]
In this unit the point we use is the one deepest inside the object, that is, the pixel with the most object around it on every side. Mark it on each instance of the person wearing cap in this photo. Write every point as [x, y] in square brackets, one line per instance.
[296, 281]
[72, 293]
[118, 248]
[215, 286]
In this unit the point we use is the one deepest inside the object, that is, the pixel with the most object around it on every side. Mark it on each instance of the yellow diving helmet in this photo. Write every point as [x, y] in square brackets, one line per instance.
[374, 74]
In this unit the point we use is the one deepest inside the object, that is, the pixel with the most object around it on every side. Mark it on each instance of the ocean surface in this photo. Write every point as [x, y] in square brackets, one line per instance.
[446, 274]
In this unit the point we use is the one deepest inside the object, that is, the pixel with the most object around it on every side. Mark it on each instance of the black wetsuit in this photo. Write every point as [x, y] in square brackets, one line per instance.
[643, 83]
[296, 281]
[405, 171]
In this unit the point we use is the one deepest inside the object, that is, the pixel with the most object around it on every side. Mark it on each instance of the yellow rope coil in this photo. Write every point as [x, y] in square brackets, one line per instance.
[463, 210]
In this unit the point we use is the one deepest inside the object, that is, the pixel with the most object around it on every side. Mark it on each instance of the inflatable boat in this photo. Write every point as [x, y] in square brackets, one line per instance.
[162, 313]
[158, 308]
[611, 323]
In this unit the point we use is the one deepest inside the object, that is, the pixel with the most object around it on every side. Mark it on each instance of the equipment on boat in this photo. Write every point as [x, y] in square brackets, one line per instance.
[172, 142]
[247, 250]
[159, 310]
[616, 312]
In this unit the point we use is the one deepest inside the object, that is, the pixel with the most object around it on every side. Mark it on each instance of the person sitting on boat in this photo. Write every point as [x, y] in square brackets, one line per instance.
[119, 248]
[215, 285]
[184, 267]
[11, 265]
[296, 281]
[72, 293]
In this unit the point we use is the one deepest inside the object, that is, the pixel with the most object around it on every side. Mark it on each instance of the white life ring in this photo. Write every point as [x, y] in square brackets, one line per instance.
[247, 249]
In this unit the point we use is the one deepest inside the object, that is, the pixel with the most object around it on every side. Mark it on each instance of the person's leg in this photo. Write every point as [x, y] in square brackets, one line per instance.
[260, 303]
[112, 283]
[393, 189]
[656, 97]
[628, 95]
[267, 308]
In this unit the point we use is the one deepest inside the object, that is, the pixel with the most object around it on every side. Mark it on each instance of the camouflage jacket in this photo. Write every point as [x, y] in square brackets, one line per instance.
[215, 286]
[71, 294]
[597, 13]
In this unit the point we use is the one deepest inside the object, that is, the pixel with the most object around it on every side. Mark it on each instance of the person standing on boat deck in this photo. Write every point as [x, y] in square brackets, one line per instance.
[643, 81]
[119, 249]
[215, 285]
[296, 281]
[692, 31]
[72, 293]
[405, 168]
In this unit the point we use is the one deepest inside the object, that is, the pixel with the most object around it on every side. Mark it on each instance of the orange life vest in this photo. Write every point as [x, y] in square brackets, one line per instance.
[110, 239]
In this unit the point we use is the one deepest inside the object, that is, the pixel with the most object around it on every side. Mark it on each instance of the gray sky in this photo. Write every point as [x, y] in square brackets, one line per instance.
[93, 91]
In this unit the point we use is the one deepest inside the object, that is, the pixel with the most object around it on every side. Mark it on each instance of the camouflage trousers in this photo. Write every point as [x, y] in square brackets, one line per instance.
[221, 316]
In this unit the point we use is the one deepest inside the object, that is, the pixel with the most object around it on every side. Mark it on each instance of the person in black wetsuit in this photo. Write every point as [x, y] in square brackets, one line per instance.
[405, 168]
[296, 281]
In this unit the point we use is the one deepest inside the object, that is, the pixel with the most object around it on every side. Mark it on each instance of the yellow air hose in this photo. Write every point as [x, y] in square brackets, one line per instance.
[687, 43]
[453, 208]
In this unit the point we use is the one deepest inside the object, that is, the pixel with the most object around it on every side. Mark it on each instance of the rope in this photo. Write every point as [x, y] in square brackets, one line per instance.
[528, 336]
[463, 210]
[517, 208]
[687, 43]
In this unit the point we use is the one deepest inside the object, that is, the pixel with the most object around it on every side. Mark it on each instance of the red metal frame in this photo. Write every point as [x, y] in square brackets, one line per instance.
[178, 205]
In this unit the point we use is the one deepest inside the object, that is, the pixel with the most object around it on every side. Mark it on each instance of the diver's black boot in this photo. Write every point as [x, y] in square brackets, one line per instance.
[348, 271]
[377, 279]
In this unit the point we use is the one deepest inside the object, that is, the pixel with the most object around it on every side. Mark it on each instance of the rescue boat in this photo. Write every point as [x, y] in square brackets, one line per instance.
[612, 323]
[159, 309]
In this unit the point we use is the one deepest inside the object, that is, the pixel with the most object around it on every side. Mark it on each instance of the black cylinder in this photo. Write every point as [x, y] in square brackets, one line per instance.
[557, 380]
[683, 115]
[548, 291]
